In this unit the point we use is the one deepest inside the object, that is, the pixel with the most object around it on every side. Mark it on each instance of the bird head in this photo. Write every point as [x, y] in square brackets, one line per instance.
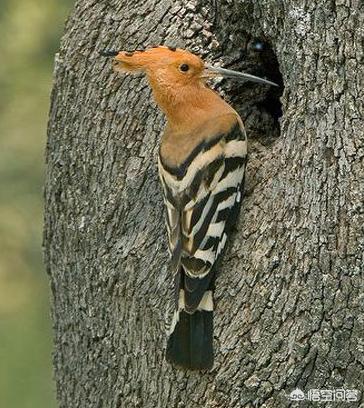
[177, 77]
[173, 66]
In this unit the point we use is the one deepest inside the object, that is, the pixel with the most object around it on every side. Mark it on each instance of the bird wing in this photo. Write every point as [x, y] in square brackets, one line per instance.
[202, 197]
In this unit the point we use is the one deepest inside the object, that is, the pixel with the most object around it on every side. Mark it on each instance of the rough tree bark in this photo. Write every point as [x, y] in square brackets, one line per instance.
[289, 297]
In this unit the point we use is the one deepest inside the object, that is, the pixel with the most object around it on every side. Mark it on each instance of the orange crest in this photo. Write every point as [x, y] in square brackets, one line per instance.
[165, 64]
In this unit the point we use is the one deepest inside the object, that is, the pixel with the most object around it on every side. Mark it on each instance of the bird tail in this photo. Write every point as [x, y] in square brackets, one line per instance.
[190, 341]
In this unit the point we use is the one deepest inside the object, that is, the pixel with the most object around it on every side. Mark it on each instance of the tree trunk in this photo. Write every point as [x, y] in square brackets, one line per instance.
[289, 294]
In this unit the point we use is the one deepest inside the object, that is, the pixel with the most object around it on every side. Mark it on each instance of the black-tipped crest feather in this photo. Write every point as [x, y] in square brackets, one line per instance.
[109, 53]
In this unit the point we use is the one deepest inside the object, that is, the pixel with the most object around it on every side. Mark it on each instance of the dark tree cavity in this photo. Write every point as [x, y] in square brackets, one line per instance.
[290, 290]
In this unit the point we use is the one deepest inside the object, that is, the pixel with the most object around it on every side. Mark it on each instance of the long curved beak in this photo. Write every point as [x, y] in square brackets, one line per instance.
[212, 72]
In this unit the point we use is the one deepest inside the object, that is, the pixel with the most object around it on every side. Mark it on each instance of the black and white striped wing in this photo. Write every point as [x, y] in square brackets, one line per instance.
[203, 202]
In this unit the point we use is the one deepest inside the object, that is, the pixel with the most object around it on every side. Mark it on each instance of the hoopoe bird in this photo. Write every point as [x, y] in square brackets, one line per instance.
[202, 159]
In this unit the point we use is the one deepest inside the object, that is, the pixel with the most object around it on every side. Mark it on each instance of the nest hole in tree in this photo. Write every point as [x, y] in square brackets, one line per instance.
[259, 105]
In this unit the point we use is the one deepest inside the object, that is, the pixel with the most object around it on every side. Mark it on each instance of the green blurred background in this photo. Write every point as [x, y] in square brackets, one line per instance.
[29, 31]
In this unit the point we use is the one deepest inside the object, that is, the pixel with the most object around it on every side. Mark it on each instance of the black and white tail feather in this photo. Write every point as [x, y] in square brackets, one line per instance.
[202, 198]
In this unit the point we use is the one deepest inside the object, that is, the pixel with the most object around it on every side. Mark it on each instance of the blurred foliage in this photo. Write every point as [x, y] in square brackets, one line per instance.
[29, 32]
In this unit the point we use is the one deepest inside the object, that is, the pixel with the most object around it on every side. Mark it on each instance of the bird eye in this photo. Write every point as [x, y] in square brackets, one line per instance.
[184, 67]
